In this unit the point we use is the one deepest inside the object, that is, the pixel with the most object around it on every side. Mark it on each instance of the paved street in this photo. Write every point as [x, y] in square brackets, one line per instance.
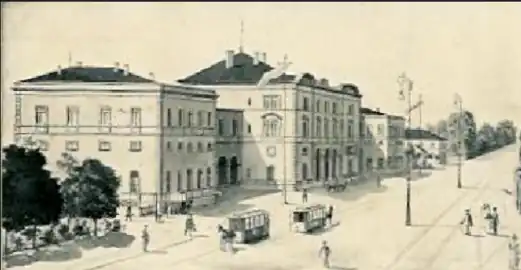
[371, 233]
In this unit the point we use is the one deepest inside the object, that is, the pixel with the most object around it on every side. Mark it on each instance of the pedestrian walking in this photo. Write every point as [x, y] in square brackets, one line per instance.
[494, 221]
[378, 181]
[145, 237]
[324, 253]
[189, 225]
[222, 237]
[467, 222]
[128, 215]
[515, 253]
[304, 195]
[329, 216]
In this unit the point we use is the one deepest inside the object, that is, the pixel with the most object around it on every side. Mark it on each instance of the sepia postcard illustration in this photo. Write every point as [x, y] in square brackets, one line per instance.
[263, 136]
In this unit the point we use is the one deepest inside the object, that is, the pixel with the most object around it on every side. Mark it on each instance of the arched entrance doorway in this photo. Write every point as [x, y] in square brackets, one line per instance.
[326, 165]
[222, 167]
[333, 164]
[317, 165]
[234, 170]
[304, 173]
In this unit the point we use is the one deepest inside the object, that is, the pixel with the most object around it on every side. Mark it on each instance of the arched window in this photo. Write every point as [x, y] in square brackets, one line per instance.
[179, 181]
[335, 127]
[317, 106]
[190, 119]
[134, 182]
[318, 126]
[209, 147]
[305, 126]
[189, 148]
[180, 117]
[271, 127]
[326, 127]
[200, 147]
[199, 178]
[305, 104]
[189, 179]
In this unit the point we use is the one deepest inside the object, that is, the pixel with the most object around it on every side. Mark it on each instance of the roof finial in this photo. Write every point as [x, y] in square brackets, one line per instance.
[241, 41]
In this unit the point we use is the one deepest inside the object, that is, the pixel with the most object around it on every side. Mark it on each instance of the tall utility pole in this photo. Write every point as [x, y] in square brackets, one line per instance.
[459, 104]
[406, 84]
[285, 187]
[420, 102]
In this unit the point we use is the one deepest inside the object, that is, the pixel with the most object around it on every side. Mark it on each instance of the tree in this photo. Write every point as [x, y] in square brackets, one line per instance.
[30, 195]
[462, 124]
[69, 188]
[91, 191]
[486, 139]
[506, 132]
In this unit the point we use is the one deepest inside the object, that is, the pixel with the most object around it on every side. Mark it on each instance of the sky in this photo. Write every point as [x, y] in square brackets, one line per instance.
[473, 49]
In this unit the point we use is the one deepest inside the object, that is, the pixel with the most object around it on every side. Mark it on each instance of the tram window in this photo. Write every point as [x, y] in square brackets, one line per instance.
[248, 223]
[298, 217]
[261, 220]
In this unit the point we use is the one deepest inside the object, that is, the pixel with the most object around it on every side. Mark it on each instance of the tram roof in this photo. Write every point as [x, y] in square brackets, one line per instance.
[249, 213]
[309, 207]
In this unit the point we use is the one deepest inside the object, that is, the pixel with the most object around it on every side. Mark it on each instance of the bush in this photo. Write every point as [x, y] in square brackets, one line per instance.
[108, 225]
[79, 230]
[49, 237]
[64, 231]
[30, 232]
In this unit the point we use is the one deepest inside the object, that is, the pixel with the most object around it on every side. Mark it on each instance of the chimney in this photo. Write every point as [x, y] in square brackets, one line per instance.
[126, 69]
[263, 57]
[59, 70]
[79, 63]
[229, 58]
[116, 66]
[377, 109]
[152, 76]
[256, 58]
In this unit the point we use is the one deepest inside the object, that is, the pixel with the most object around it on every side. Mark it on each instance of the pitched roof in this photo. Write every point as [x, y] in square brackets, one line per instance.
[367, 111]
[421, 134]
[246, 72]
[88, 74]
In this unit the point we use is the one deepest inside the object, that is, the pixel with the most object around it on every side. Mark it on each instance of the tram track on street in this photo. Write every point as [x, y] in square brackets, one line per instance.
[483, 185]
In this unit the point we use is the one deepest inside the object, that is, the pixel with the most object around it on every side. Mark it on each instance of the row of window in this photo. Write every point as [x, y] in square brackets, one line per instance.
[190, 147]
[184, 180]
[221, 127]
[134, 146]
[273, 102]
[348, 150]
[337, 127]
[72, 113]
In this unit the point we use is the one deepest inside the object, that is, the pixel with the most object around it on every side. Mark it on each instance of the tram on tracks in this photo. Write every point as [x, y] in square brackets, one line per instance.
[249, 226]
[305, 219]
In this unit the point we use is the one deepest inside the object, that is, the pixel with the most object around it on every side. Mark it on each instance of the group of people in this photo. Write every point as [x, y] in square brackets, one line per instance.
[189, 228]
[491, 216]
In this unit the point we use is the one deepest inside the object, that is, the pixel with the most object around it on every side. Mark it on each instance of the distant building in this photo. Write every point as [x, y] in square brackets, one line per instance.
[158, 137]
[296, 128]
[228, 148]
[382, 142]
[430, 149]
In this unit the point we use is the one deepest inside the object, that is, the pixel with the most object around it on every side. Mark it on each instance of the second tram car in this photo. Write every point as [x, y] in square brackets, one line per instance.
[249, 226]
[309, 218]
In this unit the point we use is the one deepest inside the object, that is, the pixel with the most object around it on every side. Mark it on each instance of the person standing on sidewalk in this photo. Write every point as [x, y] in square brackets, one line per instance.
[494, 220]
[189, 225]
[324, 253]
[145, 238]
[329, 216]
[515, 253]
[304, 195]
[467, 222]
[128, 215]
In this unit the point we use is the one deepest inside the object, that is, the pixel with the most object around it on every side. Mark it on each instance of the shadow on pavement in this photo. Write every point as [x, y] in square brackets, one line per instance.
[325, 229]
[352, 192]
[434, 225]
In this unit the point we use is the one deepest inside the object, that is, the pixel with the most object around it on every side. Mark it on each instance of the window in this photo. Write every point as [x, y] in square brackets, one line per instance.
[190, 119]
[104, 146]
[249, 101]
[200, 147]
[180, 117]
[334, 108]
[72, 115]
[189, 179]
[271, 127]
[317, 106]
[135, 146]
[350, 109]
[134, 182]
[209, 147]
[350, 125]
[235, 127]
[135, 118]
[249, 129]
[41, 118]
[380, 129]
[318, 127]
[179, 146]
[72, 146]
[369, 164]
[342, 129]
[305, 126]
[199, 179]
[200, 118]
[349, 151]
[189, 147]
[335, 127]
[105, 120]
[43, 145]
[349, 166]
[179, 181]
[168, 117]
[271, 102]
[326, 127]
[305, 104]
[220, 127]
[208, 177]
[326, 107]
[270, 173]
[209, 119]
[304, 151]
[169, 146]
[168, 183]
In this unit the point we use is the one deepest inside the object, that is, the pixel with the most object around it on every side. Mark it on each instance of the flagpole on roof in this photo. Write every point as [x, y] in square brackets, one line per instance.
[70, 59]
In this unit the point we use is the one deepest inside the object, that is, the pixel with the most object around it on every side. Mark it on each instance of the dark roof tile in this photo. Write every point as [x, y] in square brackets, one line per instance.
[88, 74]
[421, 134]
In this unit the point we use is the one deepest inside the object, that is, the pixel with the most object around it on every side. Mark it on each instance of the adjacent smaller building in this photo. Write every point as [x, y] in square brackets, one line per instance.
[430, 149]
[381, 142]
[228, 149]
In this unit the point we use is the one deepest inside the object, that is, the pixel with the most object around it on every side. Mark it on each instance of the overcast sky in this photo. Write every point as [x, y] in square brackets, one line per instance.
[473, 49]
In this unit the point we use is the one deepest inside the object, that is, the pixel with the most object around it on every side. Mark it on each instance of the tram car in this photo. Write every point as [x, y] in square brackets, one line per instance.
[249, 226]
[306, 219]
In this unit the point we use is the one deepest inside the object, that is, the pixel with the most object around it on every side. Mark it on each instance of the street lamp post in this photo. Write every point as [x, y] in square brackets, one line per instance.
[406, 84]
[459, 103]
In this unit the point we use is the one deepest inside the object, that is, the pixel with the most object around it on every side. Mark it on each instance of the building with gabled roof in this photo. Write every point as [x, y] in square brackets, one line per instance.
[430, 148]
[158, 137]
[296, 127]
